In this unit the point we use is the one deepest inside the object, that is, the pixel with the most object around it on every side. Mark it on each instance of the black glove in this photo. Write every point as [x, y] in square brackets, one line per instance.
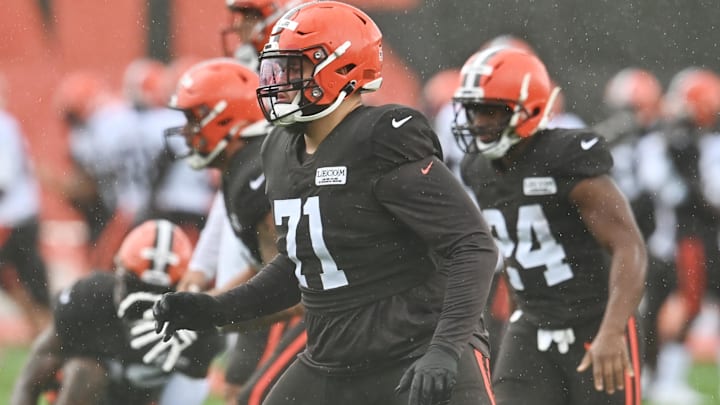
[185, 310]
[431, 378]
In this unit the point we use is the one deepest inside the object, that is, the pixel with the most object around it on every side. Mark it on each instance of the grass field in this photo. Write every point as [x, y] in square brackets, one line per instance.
[703, 377]
[12, 359]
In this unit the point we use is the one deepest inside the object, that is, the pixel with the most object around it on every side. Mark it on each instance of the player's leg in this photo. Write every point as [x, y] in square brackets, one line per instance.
[243, 359]
[473, 383]
[524, 375]
[84, 382]
[264, 378]
[22, 250]
[299, 384]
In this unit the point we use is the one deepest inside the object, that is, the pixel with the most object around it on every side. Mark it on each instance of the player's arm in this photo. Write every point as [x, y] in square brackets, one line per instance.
[44, 360]
[428, 198]
[273, 289]
[608, 216]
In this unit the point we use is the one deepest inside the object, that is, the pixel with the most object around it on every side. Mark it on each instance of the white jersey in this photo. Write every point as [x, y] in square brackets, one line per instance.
[656, 175]
[180, 188]
[219, 253]
[110, 149]
[19, 200]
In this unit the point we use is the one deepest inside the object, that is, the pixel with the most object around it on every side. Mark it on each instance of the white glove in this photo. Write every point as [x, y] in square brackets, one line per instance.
[143, 334]
[563, 338]
[137, 298]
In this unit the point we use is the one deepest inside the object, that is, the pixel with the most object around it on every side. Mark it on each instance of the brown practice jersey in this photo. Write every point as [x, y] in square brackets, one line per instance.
[243, 185]
[558, 272]
[358, 224]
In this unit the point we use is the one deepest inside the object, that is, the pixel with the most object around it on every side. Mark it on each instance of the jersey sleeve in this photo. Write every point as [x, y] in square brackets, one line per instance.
[583, 155]
[402, 135]
[273, 289]
[425, 196]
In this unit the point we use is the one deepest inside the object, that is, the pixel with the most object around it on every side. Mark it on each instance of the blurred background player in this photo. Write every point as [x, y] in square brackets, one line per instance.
[250, 25]
[172, 189]
[109, 166]
[225, 129]
[102, 349]
[678, 164]
[220, 254]
[22, 267]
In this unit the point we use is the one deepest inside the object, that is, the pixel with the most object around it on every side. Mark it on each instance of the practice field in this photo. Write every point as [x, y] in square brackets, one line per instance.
[12, 359]
[704, 377]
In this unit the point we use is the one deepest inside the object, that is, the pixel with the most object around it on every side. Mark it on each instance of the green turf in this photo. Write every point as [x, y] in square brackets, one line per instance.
[703, 377]
[11, 361]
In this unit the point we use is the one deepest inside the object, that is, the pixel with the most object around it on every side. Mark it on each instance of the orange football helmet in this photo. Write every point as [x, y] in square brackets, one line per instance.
[157, 252]
[318, 54]
[251, 22]
[506, 77]
[218, 99]
[508, 41]
[78, 95]
[694, 95]
[145, 83]
[637, 90]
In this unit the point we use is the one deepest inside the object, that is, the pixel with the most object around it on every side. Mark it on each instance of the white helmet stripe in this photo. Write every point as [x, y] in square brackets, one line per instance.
[163, 246]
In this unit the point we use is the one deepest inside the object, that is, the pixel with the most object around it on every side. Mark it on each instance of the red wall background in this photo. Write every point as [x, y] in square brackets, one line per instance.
[105, 36]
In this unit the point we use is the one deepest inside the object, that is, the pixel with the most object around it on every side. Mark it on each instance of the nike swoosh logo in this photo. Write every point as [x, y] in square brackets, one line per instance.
[256, 183]
[587, 144]
[425, 170]
[397, 124]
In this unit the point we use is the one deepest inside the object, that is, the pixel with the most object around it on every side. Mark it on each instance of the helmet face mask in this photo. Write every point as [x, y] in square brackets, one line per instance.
[486, 128]
[287, 87]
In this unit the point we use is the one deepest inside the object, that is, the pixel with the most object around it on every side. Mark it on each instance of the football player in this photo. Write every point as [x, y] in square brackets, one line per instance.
[555, 214]
[102, 347]
[19, 222]
[251, 22]
[108, 163]
[388, 254]
[679, 165]
[171, 189]
[225, 129]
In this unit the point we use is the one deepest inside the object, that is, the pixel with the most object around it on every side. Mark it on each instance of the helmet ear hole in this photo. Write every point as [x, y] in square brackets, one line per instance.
[346, 69]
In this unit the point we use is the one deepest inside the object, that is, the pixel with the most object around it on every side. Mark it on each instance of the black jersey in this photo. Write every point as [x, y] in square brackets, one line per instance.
[372, 194]
[556, 267]
[87, 324]
[243, 187]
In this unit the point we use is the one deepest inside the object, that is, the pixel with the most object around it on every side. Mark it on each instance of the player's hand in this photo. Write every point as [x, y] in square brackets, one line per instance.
[608, 355]
[185, 310]
[431, 378]
[143, 334]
